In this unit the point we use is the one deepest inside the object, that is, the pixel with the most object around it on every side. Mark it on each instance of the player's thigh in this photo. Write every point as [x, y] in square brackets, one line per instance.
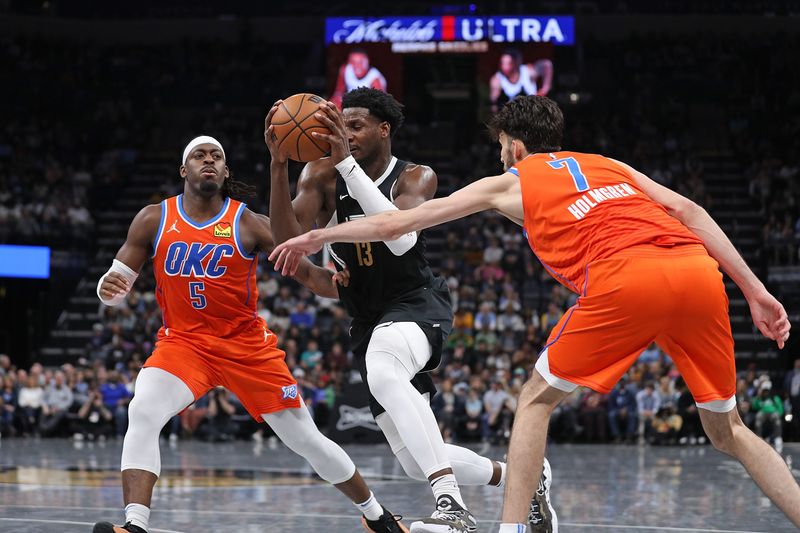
[405, 341]
[601, 336]
[699, 337]
[257, 374]
[185, 361]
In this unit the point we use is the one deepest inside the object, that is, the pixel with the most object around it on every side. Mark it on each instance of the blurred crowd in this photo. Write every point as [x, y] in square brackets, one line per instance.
[505, 303]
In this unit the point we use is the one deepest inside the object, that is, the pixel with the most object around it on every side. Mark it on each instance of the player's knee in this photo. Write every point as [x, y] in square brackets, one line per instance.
[723, 435]
[536, 392]
[381, 377]
[144, 416]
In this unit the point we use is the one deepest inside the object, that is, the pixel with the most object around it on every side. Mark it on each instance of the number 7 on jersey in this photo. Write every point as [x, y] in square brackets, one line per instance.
[574, 169]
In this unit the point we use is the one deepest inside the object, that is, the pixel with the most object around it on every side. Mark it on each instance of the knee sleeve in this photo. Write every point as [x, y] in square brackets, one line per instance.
[391, 364]
[297, 431]
[410, 466]
[158, 397]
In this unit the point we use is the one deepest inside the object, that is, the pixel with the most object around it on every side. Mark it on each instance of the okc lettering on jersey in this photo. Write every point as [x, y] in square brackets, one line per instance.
[587, 201]
[189, 260]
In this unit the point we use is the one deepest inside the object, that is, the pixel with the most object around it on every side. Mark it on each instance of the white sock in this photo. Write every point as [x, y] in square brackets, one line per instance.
[371, 509]
[447, 484]
[138, 515]
[512, 528]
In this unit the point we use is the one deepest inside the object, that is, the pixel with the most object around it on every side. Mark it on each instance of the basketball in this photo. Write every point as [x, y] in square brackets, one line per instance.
[293, 123]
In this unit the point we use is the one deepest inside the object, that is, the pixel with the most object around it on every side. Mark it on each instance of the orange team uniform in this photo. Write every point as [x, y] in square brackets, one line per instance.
[212, 335]
[640, 274]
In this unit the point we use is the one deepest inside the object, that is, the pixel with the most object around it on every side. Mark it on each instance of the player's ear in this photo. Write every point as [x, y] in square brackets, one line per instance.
[518, 149]
[182, 171]
[227, 172]
[386, 130]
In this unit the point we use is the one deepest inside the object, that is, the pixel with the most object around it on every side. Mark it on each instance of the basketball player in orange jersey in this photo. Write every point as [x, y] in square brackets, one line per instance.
[401, 312]
[644, 261]
[204, 247]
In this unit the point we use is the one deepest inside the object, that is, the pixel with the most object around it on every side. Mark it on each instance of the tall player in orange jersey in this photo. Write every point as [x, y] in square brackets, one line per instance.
[204, 247]
[644, 261]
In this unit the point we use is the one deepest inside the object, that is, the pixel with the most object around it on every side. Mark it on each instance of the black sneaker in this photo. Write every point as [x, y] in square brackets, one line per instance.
[542, 517]
[387, 523]
[449, 517]
[108, 527]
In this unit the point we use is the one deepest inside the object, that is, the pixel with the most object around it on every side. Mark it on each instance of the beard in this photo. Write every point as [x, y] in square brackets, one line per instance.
[508, 159]
[209, 187]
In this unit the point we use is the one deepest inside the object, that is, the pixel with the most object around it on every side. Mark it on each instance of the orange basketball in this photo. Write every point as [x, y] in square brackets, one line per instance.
[293, 123]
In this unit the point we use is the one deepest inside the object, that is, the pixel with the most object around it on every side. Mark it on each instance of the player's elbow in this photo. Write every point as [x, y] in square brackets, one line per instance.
[686, 210]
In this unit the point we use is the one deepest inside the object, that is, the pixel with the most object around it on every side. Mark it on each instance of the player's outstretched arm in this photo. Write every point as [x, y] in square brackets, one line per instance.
[289, 218]
[767, 312]
[319, 280]
[486, 193]
[115, 284]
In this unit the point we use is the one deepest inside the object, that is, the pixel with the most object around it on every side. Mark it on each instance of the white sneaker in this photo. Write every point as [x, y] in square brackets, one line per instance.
[542, 517]
[779, 444]
[449, 517]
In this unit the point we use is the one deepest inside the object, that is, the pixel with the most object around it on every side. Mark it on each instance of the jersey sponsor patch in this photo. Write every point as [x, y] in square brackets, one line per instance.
[289, 392]
[223, 229]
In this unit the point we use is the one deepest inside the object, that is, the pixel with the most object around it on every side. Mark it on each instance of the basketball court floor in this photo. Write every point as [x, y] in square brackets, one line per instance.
[242, 487]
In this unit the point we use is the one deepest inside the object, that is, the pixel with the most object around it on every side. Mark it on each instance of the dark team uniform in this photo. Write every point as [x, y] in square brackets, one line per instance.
[386, 288]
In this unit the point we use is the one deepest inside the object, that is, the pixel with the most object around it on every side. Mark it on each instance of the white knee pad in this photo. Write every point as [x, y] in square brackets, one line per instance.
[158, 397]
[296, 429]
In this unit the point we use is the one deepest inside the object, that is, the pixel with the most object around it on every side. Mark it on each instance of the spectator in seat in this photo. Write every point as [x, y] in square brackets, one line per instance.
[622, 409]
[94, 418]
[58, 400]
[220, 426]
[30, 401]
[666, 425]
[648, 404]
[791, 385]
[768, 408]
[593, 416]
[8, 406]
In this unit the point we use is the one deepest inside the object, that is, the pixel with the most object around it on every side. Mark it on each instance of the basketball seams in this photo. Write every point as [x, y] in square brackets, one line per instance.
[302, 132]
[289, 115]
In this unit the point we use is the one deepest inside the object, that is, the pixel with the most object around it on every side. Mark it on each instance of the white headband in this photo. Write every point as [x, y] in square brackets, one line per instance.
[194, 143]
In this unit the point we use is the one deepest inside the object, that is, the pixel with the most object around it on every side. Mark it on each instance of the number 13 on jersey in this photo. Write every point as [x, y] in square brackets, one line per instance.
[364, 254]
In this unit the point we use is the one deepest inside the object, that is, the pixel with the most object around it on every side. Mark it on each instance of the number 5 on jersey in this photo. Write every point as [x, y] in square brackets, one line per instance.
[196, 289]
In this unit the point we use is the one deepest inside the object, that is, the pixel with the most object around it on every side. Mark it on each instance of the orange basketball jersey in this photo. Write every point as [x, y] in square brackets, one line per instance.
[583, 207]
[205, 281]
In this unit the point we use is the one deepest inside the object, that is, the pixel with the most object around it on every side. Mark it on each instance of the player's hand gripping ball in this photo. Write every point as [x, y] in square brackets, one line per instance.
[291, 122]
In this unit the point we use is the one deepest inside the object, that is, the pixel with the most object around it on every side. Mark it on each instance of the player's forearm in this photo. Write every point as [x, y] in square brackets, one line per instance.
[387, 226]
[720, 248]
[372, 201]
[284, 221]
[317, 279]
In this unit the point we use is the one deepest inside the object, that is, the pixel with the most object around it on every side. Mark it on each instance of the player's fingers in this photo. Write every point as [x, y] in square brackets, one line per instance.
[287, 263]
[326, 120]
[113, 284]
[275, 252]
[277, 258]
[325, 137]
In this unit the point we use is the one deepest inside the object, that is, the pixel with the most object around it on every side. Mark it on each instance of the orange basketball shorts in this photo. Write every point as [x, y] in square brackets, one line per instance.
[250, 365]
[673, 296]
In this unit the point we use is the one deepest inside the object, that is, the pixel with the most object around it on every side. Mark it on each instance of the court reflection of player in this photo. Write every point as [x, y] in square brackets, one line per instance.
[513, 78]
[356, 73]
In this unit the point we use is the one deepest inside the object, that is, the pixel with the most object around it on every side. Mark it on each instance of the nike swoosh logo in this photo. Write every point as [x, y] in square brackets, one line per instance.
[343, 196]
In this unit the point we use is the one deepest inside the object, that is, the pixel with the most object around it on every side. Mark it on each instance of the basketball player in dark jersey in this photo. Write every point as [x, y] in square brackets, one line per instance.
[401, 311]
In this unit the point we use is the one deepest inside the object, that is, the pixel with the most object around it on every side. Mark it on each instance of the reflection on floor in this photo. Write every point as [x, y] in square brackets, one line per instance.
[59, 485]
